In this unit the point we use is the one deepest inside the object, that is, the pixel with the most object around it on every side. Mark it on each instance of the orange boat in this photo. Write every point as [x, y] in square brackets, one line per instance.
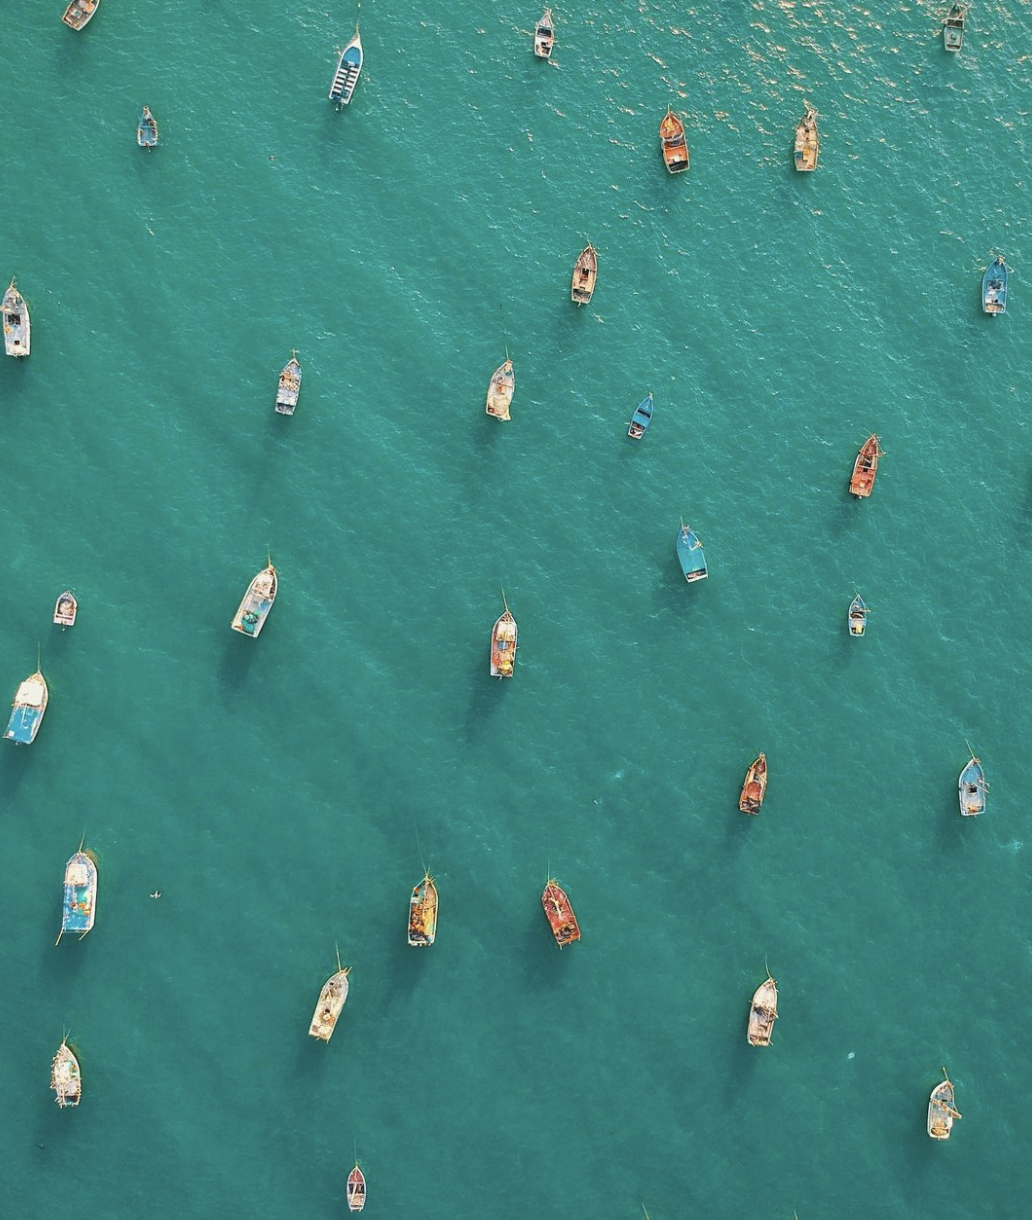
[755, 786]
[504, 638]
[565, 927]
[865, 467]
[673, 143]
[356, 1190]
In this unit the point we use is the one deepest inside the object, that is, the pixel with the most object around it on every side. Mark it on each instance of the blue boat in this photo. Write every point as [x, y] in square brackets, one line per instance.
[994, 287]
[972, 788]
[641, 419]
[147, 130]
[689, 552]
[30, 702]
[346, 77]
[857, 616]
[80, 895]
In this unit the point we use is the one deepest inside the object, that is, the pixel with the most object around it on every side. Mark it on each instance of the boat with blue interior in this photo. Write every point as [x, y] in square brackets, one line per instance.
[289, 386]
[79, 13]
[147, 130]
[689, 552]
[65, 1077]
[953, 28]
[994, 287]
[80, 895]
[972, 788]
[641, 418]
[857, 616]
[346, 76]
[422, 924]
[17, 326]
[27, 711]
[254, 609]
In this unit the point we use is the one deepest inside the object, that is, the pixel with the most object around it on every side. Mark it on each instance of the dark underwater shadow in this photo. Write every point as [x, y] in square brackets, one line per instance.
[14, 377]
[541, 959]
[237, 659]
[14, 762]
[484, 697]
[740, 1060]
[671, 591]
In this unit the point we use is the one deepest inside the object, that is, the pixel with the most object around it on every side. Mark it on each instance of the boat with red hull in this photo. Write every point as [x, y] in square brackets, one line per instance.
[559, 912]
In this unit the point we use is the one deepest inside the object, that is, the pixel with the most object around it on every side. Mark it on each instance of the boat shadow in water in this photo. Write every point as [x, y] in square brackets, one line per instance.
[236, 663]
[485, 695]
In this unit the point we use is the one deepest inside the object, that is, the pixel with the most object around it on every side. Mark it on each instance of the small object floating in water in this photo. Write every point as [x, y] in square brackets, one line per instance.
[972, 788]
[331, 1001]
[79, 909]
[356, 1189]
[755, 787]
[544, 35]
[585, 272]
[559, 912]
[857, 619]
[641, 418]
[941, 1109]
[79, 13]
[65, 609]
[807, 145]
[422, 924]
[156, 894]
[254, 609]
[994, 287]
[17, 327]
[689, 552]
[289, 386]
[504, 639]
[29, 706]
[147, 130]
[346, 76]
[65, 1078]
[763, 1012]
[499, 392]
[953, 28]
[865, 468]
[672, 143]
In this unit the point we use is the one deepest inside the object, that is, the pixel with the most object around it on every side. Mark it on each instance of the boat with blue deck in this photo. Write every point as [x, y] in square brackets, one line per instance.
[994, 287]
[689, 552]
[972, 789]
[641, 418]
[857, 616]
[254, 609]
[29, 706]
[953, 28]
[147, 130]
[346, 77]
[80, 895]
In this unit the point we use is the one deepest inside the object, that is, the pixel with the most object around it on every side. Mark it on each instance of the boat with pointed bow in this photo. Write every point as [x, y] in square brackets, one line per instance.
[953, 28]
[641, 418]
[942, 1109]
[257, 602]
[994, 287]
[544, 35]
[755, 787]
[65, 1077]
[807, 145]
[289, 386]
[857, 618]
[79, 908]
[65, 609]
[147, 130]
[499, 392]
[504, 639]
[80, 13]
[763, 1012]
[331, 1001]
[690, 554]
[17, 326]
[972, 787]
[672, 143]
[356, 1190]
[422, 924]
[559, 913]
[346, 76]
[865, 468]
[28, 709]
[585, 272]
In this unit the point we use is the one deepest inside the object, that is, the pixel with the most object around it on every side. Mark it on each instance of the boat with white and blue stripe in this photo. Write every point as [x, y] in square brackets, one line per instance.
[994, 287]
[29, 706]
[689, 552]
[346, 76]
[80, 895]
[641, 418]
[972, 789]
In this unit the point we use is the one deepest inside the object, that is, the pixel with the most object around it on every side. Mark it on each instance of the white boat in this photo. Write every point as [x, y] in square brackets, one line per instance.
[17, 328]
[499, 392]
[346, 76]
[544, 35]
[331, 1001]
[257, 602]
[65, 1078]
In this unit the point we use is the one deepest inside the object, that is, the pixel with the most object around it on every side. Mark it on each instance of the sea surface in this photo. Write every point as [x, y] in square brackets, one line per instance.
[285, 794]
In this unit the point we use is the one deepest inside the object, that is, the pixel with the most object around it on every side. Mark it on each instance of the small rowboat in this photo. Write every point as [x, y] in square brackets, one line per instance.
[504, 638]
[755, 787]
[356, 1190]
[942, 1110]
[65, 609]
[79, 909]
[672, 142]
[641, 418]
[422, 924]
[807, 145]
[499, 392]
[79, 13]
[147, 130]
[65, 1078]
[763, 1013]
[857, 616]
[544, 35]
[953, 28]
[560, 914]
[17, 327]
[689, 553]
[994, 288]
[972, 788]
[289, 386]
[585, 272]
[28, 709]
[865, 468]
[256, 604]
[331, 1001]
[346, 76]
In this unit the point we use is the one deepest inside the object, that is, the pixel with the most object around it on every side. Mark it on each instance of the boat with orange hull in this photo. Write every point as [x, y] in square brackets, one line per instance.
[422, 923]
[504, 639]
[559, 912]
[356, 1190]
[755, 787]
[865, 468]
[763, 1012]
[673, 143]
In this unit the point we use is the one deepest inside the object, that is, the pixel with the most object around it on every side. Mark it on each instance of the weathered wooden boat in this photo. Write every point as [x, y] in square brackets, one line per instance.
[17, 326]
[504, 639]
[807, 144]
[672, 142]
[972, 788]
[865, 468]
[560, 914]
[331, 1001]
[763, 1013]
[147, 130]
[953, 28]
[356, 1190]
[857, 616]
[544, 35]
[289, 386]
[994, 288]
[79, 13]
[65, 609]
[690, 554]
[755, 787]
[641, 418]
[346, 76]
[585, 273]
[499, 392]
[28, 709]
[79, 908]
[942, 1109]
[422, 924]
[257, 602]
[65, 1077]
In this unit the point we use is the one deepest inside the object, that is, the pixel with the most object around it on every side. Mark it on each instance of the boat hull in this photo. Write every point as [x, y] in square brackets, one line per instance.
[28, 710]
[672, 143]
[349, 67]
[690, 555]
[559, 914]
[641, 419]
[504, 641]
[994, 288]
[422, 924]
[585, 273]
[289, 388]
[147, 130]
[65, 610]
[755, 787]
[971, 788]
[65, 1077]
[80, 13]
[257, 602]
[500, 391]
[941, 1111]
[807, 143]
[356, 1190]
[763, 1012]
[865, 468]
[79, 908]
[544, 35]
[857, 616]
[17, 324]
[331, 1002]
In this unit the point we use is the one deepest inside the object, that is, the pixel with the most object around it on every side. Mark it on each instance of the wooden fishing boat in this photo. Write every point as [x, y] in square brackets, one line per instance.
[585, 272]
[942, 1109]
[560, 914]
[994, 288]
[641, 418]
[65, 1077]
[356, 1190]
[289, 386]
[17, 326]
[763, 1013]
[857, 619]
[690, 554]
[331, 1001]
[755, 787]
[79, 13]
[953, 28]
[147, 130]
[972, 788]
[257, 602]
[807, 145]
[346, 76]
[865, 468]
[422, 923]
[65, 609]
[672, 142]
[544, 35]
[499, 392]
[28, 708]
[504, 638]
[79, 909]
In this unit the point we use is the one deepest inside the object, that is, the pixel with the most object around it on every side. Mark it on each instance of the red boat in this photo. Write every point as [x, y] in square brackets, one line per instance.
[865, 468]
[560, 914]
[356, 1190]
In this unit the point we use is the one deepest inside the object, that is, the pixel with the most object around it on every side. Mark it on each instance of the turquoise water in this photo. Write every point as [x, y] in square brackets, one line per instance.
[284, 794]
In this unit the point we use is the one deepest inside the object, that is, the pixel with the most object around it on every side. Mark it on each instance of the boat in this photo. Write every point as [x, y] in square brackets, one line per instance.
[763, 1012]
[673, 143]
[17, 328]
[331, 1001]
[65, 609]
[65, 1078]
[147, 130]
[942, 1109]
[972, 788]
[865, 468]
[994, 291]
[560, 914]
[29, 705]
[807, 145]
[422, 923]
[641, 418]
[953, 28]
[289, 386]
[689, 552]
[504, 639]
[254, 609]
[80, 895]
[356, 1190]
[755, 787]
[346, 77]
[499, 392]
[857, 618]
[544, 35]
[79, 13]
[585, 272]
